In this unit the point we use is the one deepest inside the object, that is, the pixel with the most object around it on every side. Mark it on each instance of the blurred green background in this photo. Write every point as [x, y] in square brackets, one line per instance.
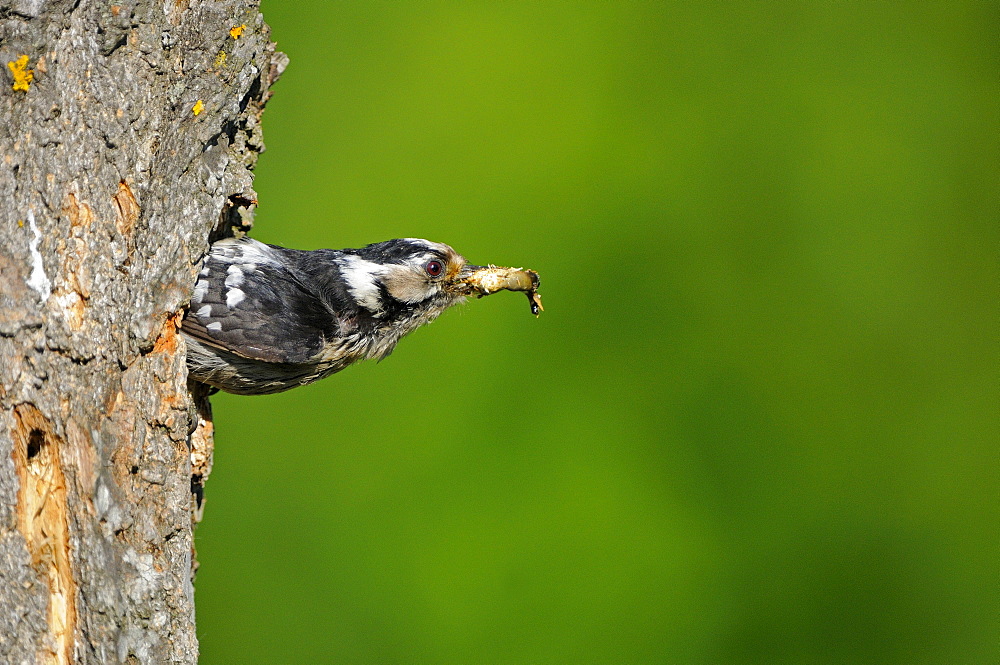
[758, 421]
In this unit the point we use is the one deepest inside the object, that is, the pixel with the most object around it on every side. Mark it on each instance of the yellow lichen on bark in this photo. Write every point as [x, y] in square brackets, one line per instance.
[22, 75]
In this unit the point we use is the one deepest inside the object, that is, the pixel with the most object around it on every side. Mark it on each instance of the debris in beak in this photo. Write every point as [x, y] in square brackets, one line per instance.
[486, 280]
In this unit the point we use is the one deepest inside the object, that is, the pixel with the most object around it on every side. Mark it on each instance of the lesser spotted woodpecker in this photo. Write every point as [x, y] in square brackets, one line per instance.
[265, 319]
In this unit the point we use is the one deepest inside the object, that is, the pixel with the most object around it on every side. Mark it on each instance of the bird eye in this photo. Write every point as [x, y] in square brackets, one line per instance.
[434, 268]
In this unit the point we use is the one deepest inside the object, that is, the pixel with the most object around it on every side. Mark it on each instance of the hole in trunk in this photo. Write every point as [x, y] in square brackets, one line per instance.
[36, 439]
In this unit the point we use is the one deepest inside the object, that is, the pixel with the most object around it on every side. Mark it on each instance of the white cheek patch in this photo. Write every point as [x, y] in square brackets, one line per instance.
[407, 283]
[204, 312]
[362, 279]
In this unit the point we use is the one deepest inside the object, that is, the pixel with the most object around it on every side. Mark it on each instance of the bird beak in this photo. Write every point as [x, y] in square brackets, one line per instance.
[486, 280]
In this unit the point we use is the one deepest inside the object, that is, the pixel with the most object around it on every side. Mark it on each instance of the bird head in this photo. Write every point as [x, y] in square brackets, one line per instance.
[411, 279]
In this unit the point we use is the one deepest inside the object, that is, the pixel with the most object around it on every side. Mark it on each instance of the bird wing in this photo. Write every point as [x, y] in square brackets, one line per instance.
[249, 304]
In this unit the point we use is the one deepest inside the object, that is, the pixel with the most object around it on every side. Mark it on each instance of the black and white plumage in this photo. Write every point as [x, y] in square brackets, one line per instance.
[264, 318]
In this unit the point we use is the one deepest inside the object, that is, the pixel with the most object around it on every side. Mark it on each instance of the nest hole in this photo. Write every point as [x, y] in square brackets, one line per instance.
[36, 439]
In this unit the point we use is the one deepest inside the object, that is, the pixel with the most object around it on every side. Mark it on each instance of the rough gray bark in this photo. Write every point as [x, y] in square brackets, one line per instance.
[111, 184]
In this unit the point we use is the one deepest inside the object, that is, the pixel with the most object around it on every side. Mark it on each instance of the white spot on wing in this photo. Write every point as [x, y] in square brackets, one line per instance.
[204, 312]
[234, 276]
[242, 250]
[234, 297]
[38, 280]
[200, 290]
[214, 326]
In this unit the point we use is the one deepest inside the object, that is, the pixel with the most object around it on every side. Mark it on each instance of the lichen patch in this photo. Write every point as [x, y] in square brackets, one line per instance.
[22, 75]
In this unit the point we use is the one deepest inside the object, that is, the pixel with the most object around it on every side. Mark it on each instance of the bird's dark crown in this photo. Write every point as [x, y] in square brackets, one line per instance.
[398, 250]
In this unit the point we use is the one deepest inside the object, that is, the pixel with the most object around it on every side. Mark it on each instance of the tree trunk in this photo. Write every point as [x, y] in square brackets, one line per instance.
[127, 137]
